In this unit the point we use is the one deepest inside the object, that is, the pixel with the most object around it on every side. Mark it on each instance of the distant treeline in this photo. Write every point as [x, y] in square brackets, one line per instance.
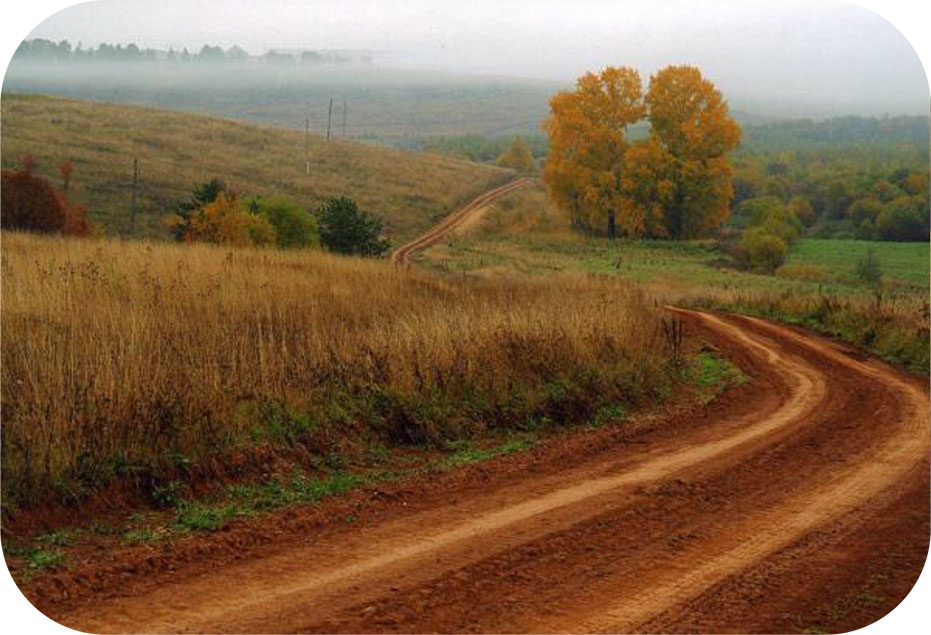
[483, 149]
[839, 133]
[881, 139]
[42, 50]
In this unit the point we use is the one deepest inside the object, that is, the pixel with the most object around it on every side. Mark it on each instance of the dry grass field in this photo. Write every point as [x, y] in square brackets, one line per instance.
[177, 151]
[129, 359]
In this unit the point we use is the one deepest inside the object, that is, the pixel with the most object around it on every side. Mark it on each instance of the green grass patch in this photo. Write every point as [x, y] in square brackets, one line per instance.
[60, 538]
[195, 516]
[42, 558]
[144, 535]
[465, 453]
[903, 263]
[713, 374]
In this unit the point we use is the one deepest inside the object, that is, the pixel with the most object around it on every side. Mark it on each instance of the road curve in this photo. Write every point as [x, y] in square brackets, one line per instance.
[402, 255]
[670, 525]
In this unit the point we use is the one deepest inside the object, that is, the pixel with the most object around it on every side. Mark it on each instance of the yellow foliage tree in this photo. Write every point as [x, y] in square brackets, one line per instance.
[675, 183]
[517, 156]
[223, 222]
[690, 119]
[584, 169]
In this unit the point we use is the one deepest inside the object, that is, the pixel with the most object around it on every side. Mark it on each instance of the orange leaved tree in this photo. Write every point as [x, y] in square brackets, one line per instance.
[674, 183]
[587, 142]
[690, 119]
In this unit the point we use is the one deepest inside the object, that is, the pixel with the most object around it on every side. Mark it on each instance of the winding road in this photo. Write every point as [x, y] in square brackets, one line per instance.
[801, 495]
[403, 254]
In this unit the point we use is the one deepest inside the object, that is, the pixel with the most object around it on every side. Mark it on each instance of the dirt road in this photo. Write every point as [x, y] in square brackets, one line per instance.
[402, 255]
[795, 501]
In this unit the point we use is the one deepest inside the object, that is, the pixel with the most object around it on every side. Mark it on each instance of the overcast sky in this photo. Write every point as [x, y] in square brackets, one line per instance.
[806, 52]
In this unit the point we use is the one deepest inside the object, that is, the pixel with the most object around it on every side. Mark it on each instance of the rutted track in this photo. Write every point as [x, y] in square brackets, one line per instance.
[642, 533]
[402, 255]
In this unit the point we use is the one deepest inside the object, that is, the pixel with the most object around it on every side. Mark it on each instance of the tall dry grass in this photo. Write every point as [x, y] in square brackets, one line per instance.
[122, 358]
[893, 324]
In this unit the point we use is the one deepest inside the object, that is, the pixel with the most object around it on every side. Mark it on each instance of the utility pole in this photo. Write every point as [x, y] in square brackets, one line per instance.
[344, 119]
[132, 209]
[307, 143]
[329, 115]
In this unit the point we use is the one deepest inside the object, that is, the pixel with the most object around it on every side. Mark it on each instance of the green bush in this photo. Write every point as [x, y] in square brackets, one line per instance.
[763, 250]
[904, 219]
[345, 229]
[294, 226]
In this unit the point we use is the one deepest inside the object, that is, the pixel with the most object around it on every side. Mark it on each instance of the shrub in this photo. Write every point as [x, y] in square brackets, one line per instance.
[763, 250]
[801, 208]
[31, 202]
[345, 229]
[904, 219]
[517, 156]
[262, 232]
[294, 226]
[203, 194]
[755, 211]
[223, 222]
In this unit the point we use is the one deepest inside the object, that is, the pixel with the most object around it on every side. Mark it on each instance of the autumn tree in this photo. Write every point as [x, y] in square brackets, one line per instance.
[517, 156]
[690, 119]
[66, 170]
[203, 194]
[675, 183]
[226, 221]
[587, 128]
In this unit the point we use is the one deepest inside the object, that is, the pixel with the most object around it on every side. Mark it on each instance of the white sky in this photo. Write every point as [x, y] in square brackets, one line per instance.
[790, 51]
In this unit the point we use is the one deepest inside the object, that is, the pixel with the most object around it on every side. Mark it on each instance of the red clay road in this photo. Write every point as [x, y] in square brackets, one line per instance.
[402, 255]
[798, 500]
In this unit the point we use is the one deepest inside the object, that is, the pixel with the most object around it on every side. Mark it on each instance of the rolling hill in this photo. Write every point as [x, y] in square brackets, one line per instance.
[177, 151]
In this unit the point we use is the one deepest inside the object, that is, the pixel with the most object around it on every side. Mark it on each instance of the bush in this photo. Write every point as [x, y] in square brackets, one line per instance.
[203, 194]
[32, 203]
[223, 222]
[345, 229]
[904, 219]
[763, 250]
[261, 232]
[294, 226]
[517, 156]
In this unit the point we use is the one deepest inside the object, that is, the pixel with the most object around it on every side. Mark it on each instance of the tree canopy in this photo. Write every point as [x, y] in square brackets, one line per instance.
[675, 183]
[517, 156]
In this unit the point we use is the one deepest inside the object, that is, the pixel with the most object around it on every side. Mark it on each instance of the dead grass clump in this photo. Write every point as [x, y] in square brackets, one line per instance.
[122, 360]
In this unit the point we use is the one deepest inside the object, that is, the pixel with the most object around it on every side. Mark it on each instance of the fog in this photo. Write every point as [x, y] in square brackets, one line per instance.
[794, 59]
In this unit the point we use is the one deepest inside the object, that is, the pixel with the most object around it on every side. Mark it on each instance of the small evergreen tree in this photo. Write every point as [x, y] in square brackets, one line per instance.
[345, 229]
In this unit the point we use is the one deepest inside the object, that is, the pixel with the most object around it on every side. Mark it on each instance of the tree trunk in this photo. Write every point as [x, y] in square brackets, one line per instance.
[612, 226]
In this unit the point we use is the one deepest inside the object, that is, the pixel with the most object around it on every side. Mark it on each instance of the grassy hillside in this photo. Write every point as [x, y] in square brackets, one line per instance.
[177, 151]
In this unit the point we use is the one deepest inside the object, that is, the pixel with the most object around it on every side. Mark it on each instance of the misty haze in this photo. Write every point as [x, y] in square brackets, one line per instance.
[489, 317]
